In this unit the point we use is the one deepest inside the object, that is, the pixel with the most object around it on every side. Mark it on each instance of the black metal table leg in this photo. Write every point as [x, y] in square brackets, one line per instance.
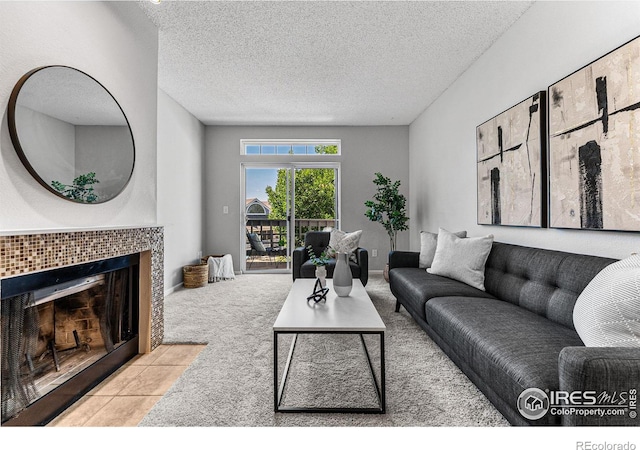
[383, 381]
[275, 371]
[379, 386]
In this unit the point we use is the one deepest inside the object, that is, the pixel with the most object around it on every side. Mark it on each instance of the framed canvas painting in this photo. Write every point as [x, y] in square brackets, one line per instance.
[594, 144]
[511, 165]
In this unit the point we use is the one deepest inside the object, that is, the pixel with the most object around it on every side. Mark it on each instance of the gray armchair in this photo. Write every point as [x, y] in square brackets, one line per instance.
[319, 240]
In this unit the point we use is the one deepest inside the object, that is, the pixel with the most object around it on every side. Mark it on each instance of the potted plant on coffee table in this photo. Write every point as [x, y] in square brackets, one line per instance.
[389, 208]
[321, 264]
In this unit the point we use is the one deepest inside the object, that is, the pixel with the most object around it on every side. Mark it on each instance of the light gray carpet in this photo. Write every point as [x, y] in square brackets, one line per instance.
[231, 382]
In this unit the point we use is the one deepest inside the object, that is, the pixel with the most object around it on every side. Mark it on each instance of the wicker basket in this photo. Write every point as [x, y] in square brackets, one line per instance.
[205, 259]
[196, 275]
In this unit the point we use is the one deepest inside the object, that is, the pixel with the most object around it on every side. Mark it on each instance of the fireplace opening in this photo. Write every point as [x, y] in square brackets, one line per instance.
[64, 331]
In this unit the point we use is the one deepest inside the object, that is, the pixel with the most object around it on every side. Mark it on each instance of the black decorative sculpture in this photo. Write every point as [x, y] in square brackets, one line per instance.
[319, 293]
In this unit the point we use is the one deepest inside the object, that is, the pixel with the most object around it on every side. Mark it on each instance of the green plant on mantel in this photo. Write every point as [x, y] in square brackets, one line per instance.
[388, 207]
[81, 190]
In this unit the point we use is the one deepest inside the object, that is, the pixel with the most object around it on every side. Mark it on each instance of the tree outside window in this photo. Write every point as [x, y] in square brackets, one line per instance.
[314, 192]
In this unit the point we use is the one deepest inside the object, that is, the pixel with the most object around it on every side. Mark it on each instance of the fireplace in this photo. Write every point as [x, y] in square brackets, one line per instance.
[64, 331]
[91, 299]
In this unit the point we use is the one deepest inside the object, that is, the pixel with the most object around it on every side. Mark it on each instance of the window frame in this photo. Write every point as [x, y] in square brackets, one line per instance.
[244, 143]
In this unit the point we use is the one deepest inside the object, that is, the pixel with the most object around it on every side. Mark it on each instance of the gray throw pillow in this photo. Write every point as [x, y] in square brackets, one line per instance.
[343, 242]
[461, 259]
[607, 312]
[428, 243]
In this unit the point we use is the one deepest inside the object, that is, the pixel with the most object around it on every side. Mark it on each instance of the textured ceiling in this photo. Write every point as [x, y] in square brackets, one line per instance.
[317, 62]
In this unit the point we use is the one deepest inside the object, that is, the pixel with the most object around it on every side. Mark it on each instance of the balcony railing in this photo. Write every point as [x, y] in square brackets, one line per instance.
[273, 233]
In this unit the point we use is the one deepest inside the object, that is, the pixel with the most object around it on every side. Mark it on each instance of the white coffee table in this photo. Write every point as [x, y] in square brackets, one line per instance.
[354, 314]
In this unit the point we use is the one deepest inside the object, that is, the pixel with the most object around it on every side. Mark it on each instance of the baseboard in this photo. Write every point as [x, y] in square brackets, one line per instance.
[171, 290]
[376, 272]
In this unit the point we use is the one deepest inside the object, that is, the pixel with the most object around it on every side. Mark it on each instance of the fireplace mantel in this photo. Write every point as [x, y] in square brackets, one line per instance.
[23, 252]
[70, 230]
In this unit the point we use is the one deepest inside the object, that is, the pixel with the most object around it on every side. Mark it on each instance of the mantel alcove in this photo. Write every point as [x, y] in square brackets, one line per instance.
[23, 253]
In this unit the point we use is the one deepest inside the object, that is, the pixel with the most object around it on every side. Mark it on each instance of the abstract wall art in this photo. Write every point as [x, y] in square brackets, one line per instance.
[511, 166]
[594, 144]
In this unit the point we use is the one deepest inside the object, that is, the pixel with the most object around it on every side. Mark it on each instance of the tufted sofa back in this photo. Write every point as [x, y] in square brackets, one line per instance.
[545, 282]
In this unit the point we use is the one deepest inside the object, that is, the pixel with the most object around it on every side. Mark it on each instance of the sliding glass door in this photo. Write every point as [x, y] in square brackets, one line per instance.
[315, 200]
[266, 219]
[282, 203]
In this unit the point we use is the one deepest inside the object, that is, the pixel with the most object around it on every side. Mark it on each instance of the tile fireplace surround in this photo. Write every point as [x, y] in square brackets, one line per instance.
[22, 253]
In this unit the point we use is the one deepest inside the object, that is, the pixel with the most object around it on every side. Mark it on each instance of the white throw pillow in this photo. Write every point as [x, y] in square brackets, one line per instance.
[343, 242]
[428, 243]
[607, 312]
[461, 259]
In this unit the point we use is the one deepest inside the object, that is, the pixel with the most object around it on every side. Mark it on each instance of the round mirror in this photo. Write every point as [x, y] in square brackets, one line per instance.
[71, 134]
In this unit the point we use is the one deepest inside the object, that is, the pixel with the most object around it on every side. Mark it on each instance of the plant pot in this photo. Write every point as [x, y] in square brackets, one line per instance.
[385, 272]
[321, 274]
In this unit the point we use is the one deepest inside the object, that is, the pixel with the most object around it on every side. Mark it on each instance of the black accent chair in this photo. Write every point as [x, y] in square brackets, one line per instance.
[319, 240]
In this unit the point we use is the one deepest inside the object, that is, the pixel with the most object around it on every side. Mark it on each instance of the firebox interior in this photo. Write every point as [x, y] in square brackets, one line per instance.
[64, 331]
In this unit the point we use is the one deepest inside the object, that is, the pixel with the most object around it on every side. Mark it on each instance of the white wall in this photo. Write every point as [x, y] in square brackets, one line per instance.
[551, 40]
[365, 150]
[180, 187]
[115, 43]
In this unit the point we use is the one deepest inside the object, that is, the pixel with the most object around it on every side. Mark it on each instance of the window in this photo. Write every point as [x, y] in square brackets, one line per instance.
[290, 147]
[256, 209]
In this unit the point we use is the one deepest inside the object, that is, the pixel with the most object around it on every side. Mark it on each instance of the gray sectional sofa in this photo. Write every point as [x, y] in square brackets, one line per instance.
[519, 333]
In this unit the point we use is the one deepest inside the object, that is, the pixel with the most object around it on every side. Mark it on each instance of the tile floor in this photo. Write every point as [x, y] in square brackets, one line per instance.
[123, 399]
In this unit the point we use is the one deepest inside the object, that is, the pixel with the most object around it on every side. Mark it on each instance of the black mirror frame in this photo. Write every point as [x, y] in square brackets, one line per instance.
[13, 133]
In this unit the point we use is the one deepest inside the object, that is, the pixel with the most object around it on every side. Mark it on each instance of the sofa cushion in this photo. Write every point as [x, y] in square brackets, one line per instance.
[308, 270]
[461, 259]
[343, 242]
[511, 348]
[415, 286]
[428, 244]
[545, 282]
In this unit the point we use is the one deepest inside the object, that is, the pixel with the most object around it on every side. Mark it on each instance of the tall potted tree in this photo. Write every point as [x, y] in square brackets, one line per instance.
[388, 208]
